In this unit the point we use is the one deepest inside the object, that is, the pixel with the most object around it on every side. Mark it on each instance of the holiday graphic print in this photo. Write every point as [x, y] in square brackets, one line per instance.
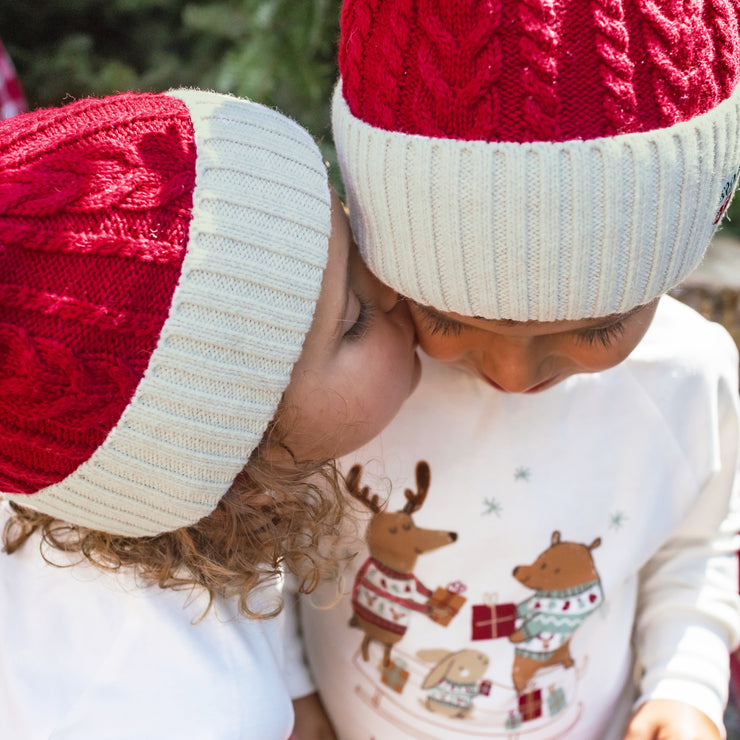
[491, 620]
[394, 675]
[567, 590]
[516, 676]
[386, 591]
[455, 680]
[450, 599]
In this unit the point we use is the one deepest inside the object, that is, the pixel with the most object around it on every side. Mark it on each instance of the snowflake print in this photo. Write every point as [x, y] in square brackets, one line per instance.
[522, 473]
[617, 520]
[492, 506]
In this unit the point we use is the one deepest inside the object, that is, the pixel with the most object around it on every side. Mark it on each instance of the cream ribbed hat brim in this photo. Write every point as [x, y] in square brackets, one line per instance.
[541, 231]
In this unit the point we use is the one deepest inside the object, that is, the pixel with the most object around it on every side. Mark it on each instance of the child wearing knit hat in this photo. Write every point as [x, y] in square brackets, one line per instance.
[534, 177]
[188, 337]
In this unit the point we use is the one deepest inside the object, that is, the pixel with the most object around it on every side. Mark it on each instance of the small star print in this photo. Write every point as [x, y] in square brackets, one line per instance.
[492, 506]
[617, 520]
[522, 473]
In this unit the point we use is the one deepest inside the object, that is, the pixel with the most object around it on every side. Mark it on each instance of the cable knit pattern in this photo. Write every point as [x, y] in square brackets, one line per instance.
[95, 203]
[362, 18]
[612, 45]
[539, 68]
[723, 19]
[447, 69]
[54, 404]
[451, 42]
[393, 68]
[677, 44]
[74, 309]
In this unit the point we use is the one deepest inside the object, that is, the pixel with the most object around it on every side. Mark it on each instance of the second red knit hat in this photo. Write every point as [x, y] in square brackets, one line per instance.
[537, 160]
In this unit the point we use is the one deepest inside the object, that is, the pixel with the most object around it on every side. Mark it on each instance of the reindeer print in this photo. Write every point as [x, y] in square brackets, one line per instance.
[386, 591]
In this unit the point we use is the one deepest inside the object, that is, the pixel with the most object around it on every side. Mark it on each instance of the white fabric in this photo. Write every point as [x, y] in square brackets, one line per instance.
[644, 457]
[88, 656]
[461, 225]
[257, 247]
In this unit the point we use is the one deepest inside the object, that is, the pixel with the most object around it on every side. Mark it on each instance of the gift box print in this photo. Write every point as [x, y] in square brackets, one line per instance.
[513, 721]
[556, 700]
[394, 675]
[530, 705]
[491, 621]
[450, 598]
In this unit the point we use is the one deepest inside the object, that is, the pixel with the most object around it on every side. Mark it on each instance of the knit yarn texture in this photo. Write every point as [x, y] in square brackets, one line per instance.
[537, 160]
[160, 260]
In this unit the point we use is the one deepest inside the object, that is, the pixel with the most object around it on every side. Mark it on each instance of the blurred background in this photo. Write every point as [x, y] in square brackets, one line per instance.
[278, 52]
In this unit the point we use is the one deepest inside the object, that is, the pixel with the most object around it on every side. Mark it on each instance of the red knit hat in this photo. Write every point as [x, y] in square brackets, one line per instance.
[160, 260]
[537, 160]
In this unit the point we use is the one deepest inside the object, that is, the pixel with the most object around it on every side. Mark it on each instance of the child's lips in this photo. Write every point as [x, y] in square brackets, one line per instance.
[541, 386]
[494, 384]
[532, 389]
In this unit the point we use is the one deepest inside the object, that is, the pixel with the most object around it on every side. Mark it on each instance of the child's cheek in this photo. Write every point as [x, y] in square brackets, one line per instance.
[598, 358]
[443, 348]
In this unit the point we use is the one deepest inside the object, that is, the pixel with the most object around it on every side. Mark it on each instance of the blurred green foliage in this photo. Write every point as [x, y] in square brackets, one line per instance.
[279, 52]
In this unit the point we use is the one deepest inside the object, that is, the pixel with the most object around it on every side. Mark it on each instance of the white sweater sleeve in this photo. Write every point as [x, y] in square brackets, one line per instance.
[688, 614]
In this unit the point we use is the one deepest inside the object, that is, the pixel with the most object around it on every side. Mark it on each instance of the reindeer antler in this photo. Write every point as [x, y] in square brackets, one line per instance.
[414, 501]
[361, 494]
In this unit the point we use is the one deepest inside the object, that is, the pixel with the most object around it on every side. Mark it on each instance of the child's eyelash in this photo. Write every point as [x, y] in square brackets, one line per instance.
[441, 325]
[364, 320]
[603, 336]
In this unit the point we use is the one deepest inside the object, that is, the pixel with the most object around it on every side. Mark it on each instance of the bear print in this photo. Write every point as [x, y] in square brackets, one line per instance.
[567, 589]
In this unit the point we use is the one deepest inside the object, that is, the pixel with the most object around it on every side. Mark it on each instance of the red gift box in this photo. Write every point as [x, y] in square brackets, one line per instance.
[484, 687]
[450, 598]
[491, 621]
[530, 705]
[394, 675]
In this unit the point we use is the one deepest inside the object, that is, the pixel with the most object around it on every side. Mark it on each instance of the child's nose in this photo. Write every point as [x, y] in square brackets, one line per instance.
[518, 366]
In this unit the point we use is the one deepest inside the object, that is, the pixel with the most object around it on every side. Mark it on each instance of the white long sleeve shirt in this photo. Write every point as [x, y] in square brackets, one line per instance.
[632, 472]
[86, 655]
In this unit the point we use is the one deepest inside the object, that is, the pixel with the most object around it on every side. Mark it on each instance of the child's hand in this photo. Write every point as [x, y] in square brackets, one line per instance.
[663, 719]
[311, 720]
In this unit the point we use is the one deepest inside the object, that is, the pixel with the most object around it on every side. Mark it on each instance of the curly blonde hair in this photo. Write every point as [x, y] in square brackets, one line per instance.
[273, 518]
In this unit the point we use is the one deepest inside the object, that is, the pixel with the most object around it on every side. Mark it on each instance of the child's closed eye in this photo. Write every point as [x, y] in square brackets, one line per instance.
[363, 321]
